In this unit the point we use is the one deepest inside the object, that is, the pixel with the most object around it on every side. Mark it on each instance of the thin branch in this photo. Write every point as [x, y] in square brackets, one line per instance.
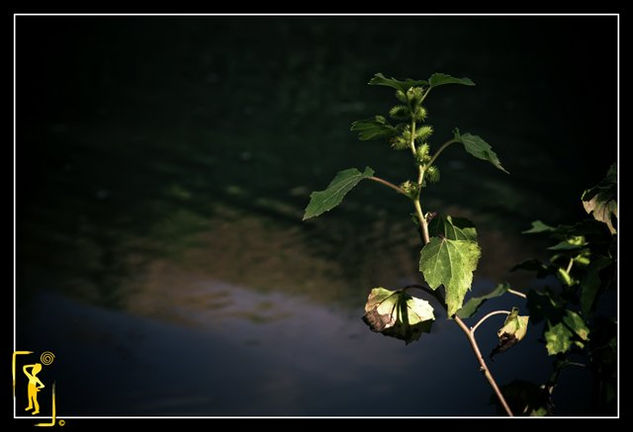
[493, 313]
[440, 150]
[517, 293]
[569, 266]
[388, 184]
[482, 363]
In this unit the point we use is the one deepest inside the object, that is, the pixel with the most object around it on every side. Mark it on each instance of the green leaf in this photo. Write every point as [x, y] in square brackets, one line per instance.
[452, 228]
[474, 303]
[398, 314]
[590, 283]
[438, 79]
[539, 227]
[542, 270]
[577, 324]
[325, 200]
[557, 338]
[450, 263]
[381, 80]
[372, 128]
[513, 331]
[544, 304]
[570, 243]
[601, 200]
[479, 148]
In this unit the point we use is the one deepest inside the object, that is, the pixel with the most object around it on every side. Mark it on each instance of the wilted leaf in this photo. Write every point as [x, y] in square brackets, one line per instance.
[438, 79]
[601, 200]
[539, 227]
[473, 303]
[513, 330]
[558, 338]
[372, 128]
[327, 199]
[479, 148]
[452, 228]
[380, 79]
[590, 284]
[450, 263]
[398, 314]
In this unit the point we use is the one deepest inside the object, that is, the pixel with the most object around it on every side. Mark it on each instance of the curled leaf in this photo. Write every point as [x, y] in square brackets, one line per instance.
[513, 330]
[398, 314]
[601, 200]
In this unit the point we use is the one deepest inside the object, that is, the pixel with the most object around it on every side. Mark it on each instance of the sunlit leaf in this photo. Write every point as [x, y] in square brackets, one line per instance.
[590, 284]
[404, 85]
[398, 314]
[577, 324]
[479, 148]
[570, 243]
[438, 79]
[473, 303]
[513, 330]
[372, 128]
[601, 200]
[539, 227]
[450, 263]
[558, 338]
[452, 228]
[327, 199]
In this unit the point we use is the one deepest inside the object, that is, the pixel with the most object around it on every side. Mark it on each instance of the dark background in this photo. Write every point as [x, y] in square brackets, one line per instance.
[156, 154]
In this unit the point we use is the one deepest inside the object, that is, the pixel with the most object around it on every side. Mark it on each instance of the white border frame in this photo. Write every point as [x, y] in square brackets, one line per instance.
[17, 14]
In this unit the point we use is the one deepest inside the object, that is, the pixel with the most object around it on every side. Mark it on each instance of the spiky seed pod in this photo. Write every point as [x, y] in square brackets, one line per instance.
[422, 155]
[401, 96]
[432, 174]
[414, 95]
[410, 188]
[420, 113]
[399, 143]
[399, 112]
[423, 133]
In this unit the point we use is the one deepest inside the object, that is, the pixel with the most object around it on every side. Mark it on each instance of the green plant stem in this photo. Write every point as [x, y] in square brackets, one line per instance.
[388, 184]
[412, 142]
[482, 363]
[517, 293]
[440, 150]
[481, 321]
[424, 226]
[570, 265]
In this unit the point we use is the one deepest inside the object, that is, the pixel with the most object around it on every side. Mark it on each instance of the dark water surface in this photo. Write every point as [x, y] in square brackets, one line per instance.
[163, 165]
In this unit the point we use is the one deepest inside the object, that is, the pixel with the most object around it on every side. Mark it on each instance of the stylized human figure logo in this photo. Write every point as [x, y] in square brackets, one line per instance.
[34, 386]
